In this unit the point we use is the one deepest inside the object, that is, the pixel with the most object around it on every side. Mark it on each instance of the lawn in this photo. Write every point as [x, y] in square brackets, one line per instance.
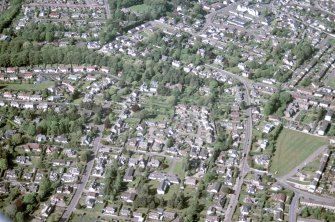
[27, 87]
[331, 82]
[293, 148]
[140, 9]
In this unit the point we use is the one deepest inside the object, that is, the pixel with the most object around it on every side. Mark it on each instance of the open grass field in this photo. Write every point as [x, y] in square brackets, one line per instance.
[331, 82]
[292, 148]
[26, 86]
[140, 9]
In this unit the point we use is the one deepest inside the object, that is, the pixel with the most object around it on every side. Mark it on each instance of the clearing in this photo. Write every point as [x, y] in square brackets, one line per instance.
[293, 147]
[27, 87]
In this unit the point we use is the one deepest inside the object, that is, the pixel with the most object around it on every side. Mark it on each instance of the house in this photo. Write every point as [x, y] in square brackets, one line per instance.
[129, 197]
[190, 181]
[36, 98]
[91, 78]
[154, 163]
[214, 188]
[168, 215]
[43, 106]
[90, 202]
[28, 106]
[125, 211]
[28, 75]
[267, 128]
[329, 115]
[245, 210]
[14, 104]
[279, 197]
[109, 211]
[47, 210]
[322, 128]
[212, 219]
[155, 215]
[61, 139]
[41, 138]
[8, 95]
[32, 147]
[278, 215]
[163, 186]
[264, 144]
[129, 175]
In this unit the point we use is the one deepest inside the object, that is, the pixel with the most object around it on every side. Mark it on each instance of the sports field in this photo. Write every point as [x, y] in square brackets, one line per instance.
[293, 147]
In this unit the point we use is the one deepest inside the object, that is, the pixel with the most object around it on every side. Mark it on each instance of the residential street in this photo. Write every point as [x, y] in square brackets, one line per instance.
[82, 184]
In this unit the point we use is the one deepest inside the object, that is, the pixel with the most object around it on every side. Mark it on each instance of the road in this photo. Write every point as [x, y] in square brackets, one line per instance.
[54, 5]
[293, 208]
[244, 167]
[84, 179]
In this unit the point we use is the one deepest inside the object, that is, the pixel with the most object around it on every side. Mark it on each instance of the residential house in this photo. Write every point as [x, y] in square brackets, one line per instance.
[163, 186]
[129, 175]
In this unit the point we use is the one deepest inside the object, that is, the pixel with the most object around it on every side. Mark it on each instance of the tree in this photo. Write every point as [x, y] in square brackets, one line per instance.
[29, 198]
[85, 156]
[3, 164]
[19, 217]
[45, 188]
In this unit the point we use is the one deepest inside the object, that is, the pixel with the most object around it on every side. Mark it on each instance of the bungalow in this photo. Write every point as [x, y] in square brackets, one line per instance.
[214, 188]
[91, 78]
[212, 219]
[129, 175]
[129, 197]
[8, 95]
[163, 186]
[28, 75]
[267, 128]
[11, 70]
[41, 138]
[329, 115]
[109, 211]
[322, 128]
[23, 96]
[43, 106]
[14, 104]
[155, 215]
[90, 68]
[190, 181]
[32, 147]
[125, 212]
[245, 210]
[61, 139]
[169, 215]
[90, 202]
[28, 106]
[36, 98]
[78, 68]
[104, 69]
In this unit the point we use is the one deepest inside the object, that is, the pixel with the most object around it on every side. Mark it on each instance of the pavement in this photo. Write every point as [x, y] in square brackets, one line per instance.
[293, 208]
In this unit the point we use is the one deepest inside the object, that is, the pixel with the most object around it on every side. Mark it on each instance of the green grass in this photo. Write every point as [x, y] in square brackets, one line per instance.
[293, 148]
[331, 83]
[27, 87]
[140, 9]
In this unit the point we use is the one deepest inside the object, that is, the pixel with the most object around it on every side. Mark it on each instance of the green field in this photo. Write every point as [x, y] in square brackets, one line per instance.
[140, 9]
[292, 148]
[331, 83]
[27, 87]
